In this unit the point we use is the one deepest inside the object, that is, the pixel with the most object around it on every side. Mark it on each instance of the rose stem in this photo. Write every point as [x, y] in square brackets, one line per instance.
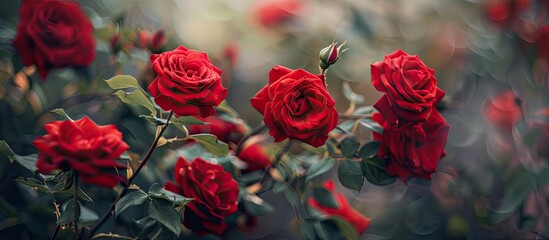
[259, 129]
[75, 201]
[109, 212]
[55, 232]
[279, 155]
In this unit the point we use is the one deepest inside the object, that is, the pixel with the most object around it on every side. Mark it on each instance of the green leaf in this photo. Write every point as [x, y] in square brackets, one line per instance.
[69, 213]
[87, 215]
[186, 120]
[164, 212]
[157, 192]
[123, 81]
[291, 196]
[154, 120]
[324, 197]
[374, 171]
[256, 206]
[345, 228]
[350, 174]
[136, 97]
[349, 146]
[319, 168]
[531, 136]
[211, 144]
[133, 198]
[350, 95]
[61, 112]
[371, 124]
[369, 150]
[308, 229]
[28, 162]
[33, 183]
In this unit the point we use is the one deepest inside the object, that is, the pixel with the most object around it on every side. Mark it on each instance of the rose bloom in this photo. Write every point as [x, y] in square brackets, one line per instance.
[255, 154]
[54, 34]
[271, 13]
[502, 111]
[187, 82]
[225, 131]
[82, 146]
[296, 104]
[412, 149]
[344, 209]
[214, 191]
[410, 88]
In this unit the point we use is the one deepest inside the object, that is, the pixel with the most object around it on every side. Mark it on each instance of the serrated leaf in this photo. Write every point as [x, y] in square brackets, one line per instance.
[187, 120]
[369, 150]
[33, 183]
[211, 144]
[123, 81]
[61, 112]
[164, 212]
[28, 162]
[157, 192]
[133, 198]
[319, 168]
[136, 97]
[371, 124]
[350, 95]
[350, 175]
[256, 206]
[69, 213]
[324, 197]
[349, 146]
[374, 171]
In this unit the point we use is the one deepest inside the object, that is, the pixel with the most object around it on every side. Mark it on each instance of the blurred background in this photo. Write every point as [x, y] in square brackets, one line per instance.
[490, 57]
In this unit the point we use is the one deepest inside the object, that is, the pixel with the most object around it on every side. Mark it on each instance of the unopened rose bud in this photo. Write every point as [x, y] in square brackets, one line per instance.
[158, 40]
[330, 54]
[143, 38]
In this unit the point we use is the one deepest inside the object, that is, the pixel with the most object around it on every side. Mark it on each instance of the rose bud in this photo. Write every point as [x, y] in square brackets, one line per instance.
[158, 40]
[255, 154]
[330, 54]
[143, 36]
[344, 209]
[82, 146]
[502, 111]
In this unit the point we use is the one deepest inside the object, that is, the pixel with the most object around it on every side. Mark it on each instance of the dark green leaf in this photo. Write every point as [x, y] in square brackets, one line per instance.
[350, 95]
[28, 162]
[156, 191]
[61, 112]
[33, 183]
[371, 124]
[136, 97]
[154, 120]
[319, 168]
[350, 174]
[211, 144]
[279, 187]
[369, 150]
[6, 151]
[186, 120]
[256, 206]
[291, 196]
[87, 215]
[308, 229]
[345, 228]
[164, 212]
[349, 146]
[374, 170]
[324, 197]
[69, 212]
[133, 198]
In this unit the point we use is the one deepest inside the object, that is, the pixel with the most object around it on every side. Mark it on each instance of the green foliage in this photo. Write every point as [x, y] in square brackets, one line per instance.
[28, 162]
[371, 124]
[327, 228]
[256, 206]
[134, 197]
[350, 174]
[163, 211]
[349, 146]
[319, 168]
[157, 192]
[137, 96]
[374, 170]
[324, 197]
[61, 112]
[211, 144]
[350, 95]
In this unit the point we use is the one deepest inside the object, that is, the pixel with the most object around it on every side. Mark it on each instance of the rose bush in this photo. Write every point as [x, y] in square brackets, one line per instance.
[226, 131]
[410, 88]
[344, 209]
[214, 193]
[187, 82]
[54, 34]
[82, 146]
[295, 104]
[412, 149]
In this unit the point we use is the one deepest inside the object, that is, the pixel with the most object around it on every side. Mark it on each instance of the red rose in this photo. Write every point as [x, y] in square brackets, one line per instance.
[410, 88]
[254, 154]
[543, 43]
[503, 11]
[54, 34]
[187, 82]
[274, 12]
[214, 191]
[345, 210]
[82, 146]
[225, 131]
[502, 111]
[296, 105]
[412, 149]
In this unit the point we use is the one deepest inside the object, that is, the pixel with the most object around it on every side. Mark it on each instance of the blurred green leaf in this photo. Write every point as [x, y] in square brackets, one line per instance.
[136, 97]
[319, 168]
[349, 146]
[87, 216]
[69, 212]
[369, 149]
[308, 229]
[61, 112]
[345, 228]
[256, 206]
[324, 197]
[164, 212]
[28, 162]
[350, 174]
[33, 183]
[156, 191]
[211, 144]
[292, 197]
[133, 198]
[350, 95]
[371, 124]
[374, 171]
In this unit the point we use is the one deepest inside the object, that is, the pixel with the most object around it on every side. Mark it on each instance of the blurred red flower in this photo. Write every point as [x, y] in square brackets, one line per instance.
[270, 13]
[226, 131]
[502, 111]
[255, 154]
[503, 12]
